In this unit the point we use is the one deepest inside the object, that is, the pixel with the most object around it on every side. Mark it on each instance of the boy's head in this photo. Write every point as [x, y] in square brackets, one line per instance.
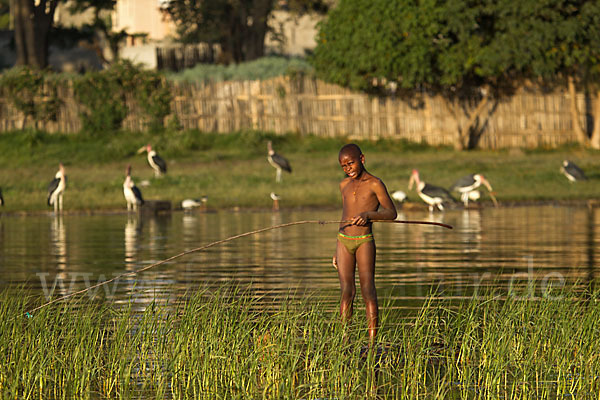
[350, 149]
[352, 160]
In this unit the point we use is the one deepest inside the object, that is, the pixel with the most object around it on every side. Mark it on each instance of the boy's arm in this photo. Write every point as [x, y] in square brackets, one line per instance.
[387, 209]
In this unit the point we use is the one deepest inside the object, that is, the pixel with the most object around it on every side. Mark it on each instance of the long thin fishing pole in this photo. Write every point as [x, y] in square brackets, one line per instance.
[206, 246]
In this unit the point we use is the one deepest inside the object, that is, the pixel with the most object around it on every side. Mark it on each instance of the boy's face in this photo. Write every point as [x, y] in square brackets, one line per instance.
[352, 164]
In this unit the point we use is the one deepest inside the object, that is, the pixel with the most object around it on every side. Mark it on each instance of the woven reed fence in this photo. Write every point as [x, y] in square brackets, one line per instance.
[531, 118]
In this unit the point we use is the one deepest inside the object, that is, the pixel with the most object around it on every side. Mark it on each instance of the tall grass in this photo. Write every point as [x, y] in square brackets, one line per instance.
[229, 344]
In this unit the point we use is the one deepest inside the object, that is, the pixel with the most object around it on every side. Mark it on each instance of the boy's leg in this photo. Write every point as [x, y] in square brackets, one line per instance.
[365, 258]
[346, 265]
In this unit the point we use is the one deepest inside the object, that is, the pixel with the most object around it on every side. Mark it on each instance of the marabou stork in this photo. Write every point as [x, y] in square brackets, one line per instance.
[474, 195]
[278, 162]
[156, 162]
[56, 188]
[189, 204]
[468, 184]
[1, 199]
[133, 196]
[276, 199]
[572, 171]
[434, 196]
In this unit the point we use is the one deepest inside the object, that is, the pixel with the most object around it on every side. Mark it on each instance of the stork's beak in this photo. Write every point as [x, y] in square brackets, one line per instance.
[141, 149]
[489, 188]
[486, 184]
[411, 181]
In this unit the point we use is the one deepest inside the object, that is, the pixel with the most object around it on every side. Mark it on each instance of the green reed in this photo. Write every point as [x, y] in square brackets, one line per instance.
[230, 344]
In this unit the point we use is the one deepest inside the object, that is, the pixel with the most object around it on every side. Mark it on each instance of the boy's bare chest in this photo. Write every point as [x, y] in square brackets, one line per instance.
[355, 196]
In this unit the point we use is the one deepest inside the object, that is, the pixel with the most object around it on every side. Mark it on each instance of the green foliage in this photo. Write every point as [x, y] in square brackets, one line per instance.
[154, 97]
[577, 48]
[263, 68]
[103, 99]
[34, 93]
[449, 45]
[4, 21]
[105, 94]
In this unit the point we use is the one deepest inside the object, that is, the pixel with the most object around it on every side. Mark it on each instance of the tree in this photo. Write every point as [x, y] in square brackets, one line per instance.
[102, 27]
[238, 26]
[472, 52]
[576, 56]
[33, 21]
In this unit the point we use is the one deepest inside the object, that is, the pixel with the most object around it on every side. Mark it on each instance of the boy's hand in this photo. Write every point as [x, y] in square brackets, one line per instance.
[361, 219]
[334, 262]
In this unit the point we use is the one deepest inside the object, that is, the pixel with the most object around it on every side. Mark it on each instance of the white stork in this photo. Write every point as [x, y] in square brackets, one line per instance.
[434, 196]
[189, 204]
[56, 188]
[278, 162]
[470, 183]
[133, 196]
[572, 171]
[156, 162]
[276, 199]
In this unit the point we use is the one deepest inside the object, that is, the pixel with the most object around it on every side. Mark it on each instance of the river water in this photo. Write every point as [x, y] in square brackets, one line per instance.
[519, 250]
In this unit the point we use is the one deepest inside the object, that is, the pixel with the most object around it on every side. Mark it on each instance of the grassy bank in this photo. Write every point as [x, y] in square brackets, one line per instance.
[224, 345]
[231, 169]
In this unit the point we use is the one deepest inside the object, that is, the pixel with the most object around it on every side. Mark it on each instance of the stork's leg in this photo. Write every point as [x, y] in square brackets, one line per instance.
[60, 202]
[431, 208]
[278, 176]
[128, 206]
[465, 198]
[440, 206]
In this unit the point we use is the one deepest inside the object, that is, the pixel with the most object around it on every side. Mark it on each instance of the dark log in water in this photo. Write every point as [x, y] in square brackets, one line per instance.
[156, 207]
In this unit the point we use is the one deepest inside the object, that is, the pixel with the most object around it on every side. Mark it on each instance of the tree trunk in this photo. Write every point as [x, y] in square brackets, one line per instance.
[595, 140]
[231, 39]
[19, 14]
[255, 41]
[244, 34]
[32, 28]
[463, 133]
[577, 128]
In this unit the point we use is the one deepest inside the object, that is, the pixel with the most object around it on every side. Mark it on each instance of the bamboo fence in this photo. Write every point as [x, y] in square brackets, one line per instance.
[530, 118]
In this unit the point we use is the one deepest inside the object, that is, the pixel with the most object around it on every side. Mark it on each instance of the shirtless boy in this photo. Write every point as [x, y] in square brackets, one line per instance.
[365, 198]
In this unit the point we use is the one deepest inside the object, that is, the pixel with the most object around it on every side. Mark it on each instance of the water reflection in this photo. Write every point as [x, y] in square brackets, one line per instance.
[58, 249]
[154, 284]
[504, 248]
[133, 230]
[592, 222]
